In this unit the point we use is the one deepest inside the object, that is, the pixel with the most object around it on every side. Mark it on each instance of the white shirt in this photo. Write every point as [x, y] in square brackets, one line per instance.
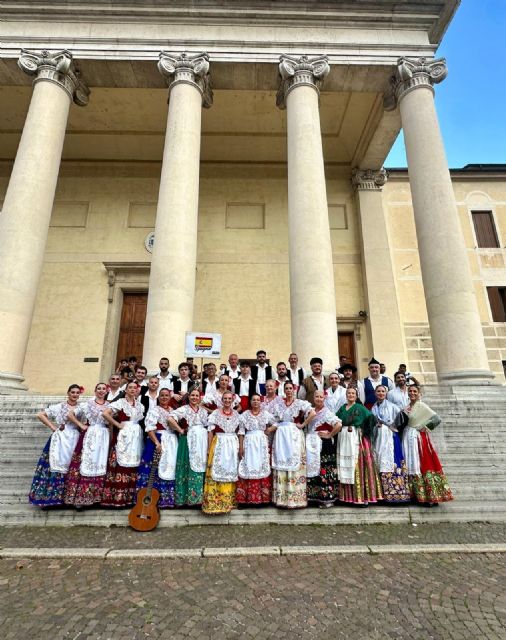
[295, 374]
[378, 381]
[184, 385]
[244, 386]
[152, 401]
[281, 387]
[261, 375]
[207, 385]
[398, 397]
[167, 382]
[334, 400]
[233, 373]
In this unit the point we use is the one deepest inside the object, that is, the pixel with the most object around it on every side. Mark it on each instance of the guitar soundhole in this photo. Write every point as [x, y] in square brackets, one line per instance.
[146, 502]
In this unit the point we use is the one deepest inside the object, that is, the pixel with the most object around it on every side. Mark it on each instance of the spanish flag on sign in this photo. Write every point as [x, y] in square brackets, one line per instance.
[202, 344]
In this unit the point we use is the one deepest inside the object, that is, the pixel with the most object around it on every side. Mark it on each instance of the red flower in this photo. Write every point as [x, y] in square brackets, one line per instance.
[81, 389]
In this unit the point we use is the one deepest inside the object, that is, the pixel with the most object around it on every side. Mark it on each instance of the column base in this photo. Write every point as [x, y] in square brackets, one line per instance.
[474, 377]
[12, 383]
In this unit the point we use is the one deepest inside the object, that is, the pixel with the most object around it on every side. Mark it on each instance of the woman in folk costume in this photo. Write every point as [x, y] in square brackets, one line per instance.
[213, 398]
[125, 450]
[359, 481]
[427, 480]
[222, 459]
[272, 402]
[48, 483]
[85, 479]
[335, 394]
[191, 422]
[321, 467]
[254, 485]
[387, 446]
[162, 439]
[289, 452]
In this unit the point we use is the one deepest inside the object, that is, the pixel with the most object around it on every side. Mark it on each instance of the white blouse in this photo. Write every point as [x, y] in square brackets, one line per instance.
[228, 424]
[134, 412]
[191, 416]
[324, 416]
[92, 412]
[249, 422]
[288, 414]
[157, 415]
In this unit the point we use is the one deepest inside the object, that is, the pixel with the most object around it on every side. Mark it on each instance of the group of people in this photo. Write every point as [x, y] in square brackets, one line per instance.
[251, 435]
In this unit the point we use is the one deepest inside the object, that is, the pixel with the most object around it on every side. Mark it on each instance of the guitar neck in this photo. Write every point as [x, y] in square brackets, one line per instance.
[151, 479]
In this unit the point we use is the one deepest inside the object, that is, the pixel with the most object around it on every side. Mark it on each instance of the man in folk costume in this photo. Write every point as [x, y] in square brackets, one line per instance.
[114, 391]
[211, 381]
[233, 370]
[165, 376]
[262, 371]
[282, 377]
[182, 386]
[348, 372]
[295, 373]
[374, 379]
[316, 381]
[244, 386]
[399, 394]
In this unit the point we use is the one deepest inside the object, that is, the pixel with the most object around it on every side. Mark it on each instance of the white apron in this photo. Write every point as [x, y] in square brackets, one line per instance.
[347, 455]
[313, 449]
[226, 458]
[167, 462]
[384, 449]
[61, 448]
[95, 451]
[286, 453]
[129, 445]
[255, 462]
[197, 447]
[411, 451]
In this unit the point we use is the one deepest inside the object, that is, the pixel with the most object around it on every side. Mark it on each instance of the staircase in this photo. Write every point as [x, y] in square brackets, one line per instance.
[474, 423]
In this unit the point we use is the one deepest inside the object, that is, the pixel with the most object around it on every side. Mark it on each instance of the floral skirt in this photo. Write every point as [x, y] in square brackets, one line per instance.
[164, 487]
[324, 488]
[430, 485]
[120, 482]
[81, 491]
[367, 485]
[254, 491]
[395, 484]
[189, 484]
[219, 497]
[47, 486]
[289, 487]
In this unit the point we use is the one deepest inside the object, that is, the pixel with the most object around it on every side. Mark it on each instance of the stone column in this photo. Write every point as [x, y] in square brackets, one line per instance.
[384, 319]
[312, 293]
[24, 221]
[457, 337]
[174, 262]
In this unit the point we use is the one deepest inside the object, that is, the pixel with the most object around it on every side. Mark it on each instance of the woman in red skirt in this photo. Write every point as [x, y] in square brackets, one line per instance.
[254, 485]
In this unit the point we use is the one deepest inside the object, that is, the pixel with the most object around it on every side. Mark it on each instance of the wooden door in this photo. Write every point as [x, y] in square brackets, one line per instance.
[347, 345]
[131, 332]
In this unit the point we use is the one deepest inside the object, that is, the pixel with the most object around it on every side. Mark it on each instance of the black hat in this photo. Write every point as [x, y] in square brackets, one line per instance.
[346, 366]
[316, 361]
[373, 361]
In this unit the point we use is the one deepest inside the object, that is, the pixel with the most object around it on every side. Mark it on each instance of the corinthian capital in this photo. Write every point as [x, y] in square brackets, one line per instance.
[412, 73]
[188, 69]
[368, 179]
[57, 67]
[295, 72]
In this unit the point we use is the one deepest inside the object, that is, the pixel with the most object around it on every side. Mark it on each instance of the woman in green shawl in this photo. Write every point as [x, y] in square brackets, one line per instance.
[359, 481]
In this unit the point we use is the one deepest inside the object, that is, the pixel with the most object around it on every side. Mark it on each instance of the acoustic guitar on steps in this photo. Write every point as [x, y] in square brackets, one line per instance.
[145, 515]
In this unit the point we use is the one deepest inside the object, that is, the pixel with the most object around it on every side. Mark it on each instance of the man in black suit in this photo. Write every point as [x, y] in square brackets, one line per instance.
[245, 386]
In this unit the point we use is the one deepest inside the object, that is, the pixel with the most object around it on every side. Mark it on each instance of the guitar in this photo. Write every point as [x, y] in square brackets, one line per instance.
[145, 515]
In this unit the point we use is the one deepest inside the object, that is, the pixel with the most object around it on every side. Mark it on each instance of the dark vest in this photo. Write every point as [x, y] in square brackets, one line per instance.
[300, 375]
[268, 372]
[310, 387]
[370, 396]
[252, 385]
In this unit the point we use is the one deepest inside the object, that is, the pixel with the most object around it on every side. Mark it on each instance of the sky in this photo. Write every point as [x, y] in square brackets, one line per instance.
[471, 102]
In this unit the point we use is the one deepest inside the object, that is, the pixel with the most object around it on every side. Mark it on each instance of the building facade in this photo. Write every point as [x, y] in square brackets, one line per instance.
[262, 181]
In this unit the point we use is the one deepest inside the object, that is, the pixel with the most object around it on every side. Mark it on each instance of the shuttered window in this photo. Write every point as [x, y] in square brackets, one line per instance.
[497, 299]
[484, 226]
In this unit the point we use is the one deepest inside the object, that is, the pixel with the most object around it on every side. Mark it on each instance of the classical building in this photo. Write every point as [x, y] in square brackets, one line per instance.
[262, 180]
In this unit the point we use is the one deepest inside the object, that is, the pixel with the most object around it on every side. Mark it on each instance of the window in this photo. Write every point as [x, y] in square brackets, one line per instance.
[497, 299]
[484, 227]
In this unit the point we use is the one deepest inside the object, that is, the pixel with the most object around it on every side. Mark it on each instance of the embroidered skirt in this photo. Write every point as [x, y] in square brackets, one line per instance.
[289, 487]
[47, 486]
[164, 487]
[82, 491]
[323, 489]
[189, 483]
[395, 484]
[430, 485]
[367, 486]
[219, 497]
[120, 482]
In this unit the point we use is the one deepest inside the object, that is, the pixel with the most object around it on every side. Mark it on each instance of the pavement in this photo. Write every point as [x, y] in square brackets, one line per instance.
[314, 590]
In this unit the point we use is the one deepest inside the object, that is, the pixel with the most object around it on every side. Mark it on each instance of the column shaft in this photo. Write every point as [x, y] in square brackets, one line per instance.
[312, 292]
[24, 221]
[384, 321]
[173, 266]
[457, 336]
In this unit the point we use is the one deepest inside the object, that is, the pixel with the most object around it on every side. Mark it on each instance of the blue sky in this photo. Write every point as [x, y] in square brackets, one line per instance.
[471, 102]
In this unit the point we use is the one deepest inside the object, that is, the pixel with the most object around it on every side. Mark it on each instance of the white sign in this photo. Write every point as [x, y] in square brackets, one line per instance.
[202, 345]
